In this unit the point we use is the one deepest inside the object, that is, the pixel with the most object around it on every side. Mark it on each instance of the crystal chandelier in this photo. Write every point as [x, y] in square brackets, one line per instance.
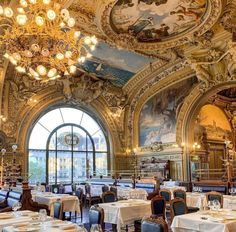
[39, 39]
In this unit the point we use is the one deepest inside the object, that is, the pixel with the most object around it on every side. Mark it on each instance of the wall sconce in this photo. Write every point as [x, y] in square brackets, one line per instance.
[2, 118]
[196, 146]
[183, 144]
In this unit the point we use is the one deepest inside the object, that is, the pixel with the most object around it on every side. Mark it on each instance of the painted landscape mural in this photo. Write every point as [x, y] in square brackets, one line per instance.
[156, 20]
[117, 65]
[158, 117]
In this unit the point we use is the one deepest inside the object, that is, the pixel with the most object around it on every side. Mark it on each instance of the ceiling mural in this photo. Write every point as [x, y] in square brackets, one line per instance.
[156, 20]
[116, 65]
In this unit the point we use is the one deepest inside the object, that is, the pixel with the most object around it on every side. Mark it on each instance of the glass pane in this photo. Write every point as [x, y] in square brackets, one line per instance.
[64, 167]
[79, 139]
[52, 142]
[100, 141]
[64, 138]
[37, 166]
[38, 132]
[90, 145]
[101, 164]
[90, 164]
[79, 166]
[52, 119]
[89, 124]
[71, 115]
[52, 167]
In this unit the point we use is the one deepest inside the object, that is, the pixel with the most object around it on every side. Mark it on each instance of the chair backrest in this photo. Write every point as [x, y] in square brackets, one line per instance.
[96, 216]
[79, 193]
[3, 195]
[108, 197]
[151, 225]
[177, 207]
[166, 194]
[13, 197]
[158, 205]
[87, 189]
[105, 188]
[179, 193]
[211, 196]
[58, 210]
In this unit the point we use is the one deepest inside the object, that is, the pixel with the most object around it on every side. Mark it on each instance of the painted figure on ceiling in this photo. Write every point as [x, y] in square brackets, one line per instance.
[139, 25]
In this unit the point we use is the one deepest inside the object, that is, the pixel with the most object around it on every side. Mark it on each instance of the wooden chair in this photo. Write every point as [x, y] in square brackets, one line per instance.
[154, 224]
[114, 190]
[108, 197]
[58, 210]
[96, 216]
[177, 207]
[158, 205]
[166, 194]
[180, 193]
[89, 198]
[105, 188]
[80, 193]
[211, 196]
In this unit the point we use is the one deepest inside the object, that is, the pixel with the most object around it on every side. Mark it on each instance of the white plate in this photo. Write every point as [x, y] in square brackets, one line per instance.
[212, 219]
[5, 216]
[59, 223]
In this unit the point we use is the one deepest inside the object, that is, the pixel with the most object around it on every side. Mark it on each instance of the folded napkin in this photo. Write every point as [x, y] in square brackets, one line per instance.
[69, 228]
[23, 224]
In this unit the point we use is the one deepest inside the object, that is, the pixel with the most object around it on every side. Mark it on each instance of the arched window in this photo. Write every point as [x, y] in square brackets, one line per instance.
[65, 145]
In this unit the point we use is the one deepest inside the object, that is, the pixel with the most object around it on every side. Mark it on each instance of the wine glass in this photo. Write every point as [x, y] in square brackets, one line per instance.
[55, 190]
[96, 228]
[210, 205]
[216, 205]
[231, 191]
[42, 216]
[16, 206]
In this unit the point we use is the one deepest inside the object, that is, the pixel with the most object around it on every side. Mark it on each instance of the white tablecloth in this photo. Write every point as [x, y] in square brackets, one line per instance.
[193, 222]
[125, 212]
[70, 203]
[129, 193]
[199, 200]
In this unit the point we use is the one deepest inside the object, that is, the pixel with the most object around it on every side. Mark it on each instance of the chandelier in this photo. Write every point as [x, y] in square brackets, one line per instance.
[39, 39]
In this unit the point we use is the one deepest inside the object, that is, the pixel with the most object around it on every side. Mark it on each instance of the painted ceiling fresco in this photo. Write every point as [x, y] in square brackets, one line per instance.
[156, 20]
[117, 65]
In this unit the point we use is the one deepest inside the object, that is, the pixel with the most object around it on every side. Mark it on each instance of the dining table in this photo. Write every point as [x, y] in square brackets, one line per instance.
[70, 203]
[198, 199]
[130, 193]
[27, 220]
[221, 220]
[125, 212]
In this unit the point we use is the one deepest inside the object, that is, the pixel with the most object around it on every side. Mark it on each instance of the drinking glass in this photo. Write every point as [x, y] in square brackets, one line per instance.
[42, 216]
[96, 228]
[210, 205]
[216, 205]
[231, 191]
[16, 206]
[55, 190]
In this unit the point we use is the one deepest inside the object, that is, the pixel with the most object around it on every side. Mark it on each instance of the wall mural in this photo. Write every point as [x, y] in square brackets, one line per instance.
[216, 124]
[156, 20]
[116, 65]
[158, 116]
